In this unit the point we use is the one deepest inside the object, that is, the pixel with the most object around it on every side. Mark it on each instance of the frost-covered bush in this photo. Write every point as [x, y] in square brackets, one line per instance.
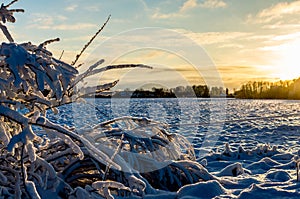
[59, 162]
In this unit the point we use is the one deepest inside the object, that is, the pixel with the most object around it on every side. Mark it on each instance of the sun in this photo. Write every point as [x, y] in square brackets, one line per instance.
[288, 61]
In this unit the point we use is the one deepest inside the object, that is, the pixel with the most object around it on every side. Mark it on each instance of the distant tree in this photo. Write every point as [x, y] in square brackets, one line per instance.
[289, 89]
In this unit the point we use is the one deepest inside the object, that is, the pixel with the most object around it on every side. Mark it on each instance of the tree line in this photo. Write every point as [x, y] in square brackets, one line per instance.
[200, 91]
[289, 89]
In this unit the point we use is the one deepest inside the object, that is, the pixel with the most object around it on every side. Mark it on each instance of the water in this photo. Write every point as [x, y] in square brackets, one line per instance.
[216, 119]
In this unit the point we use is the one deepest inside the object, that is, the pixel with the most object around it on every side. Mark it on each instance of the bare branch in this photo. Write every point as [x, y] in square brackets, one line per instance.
[90, 41]
[62, 53]
[45, 123]
[48, 42]
[13, 115]
[17, 10]
[96, 89]
[89, 72]
[86, 73]
[6, 33]
[121, 66]
[14, 1]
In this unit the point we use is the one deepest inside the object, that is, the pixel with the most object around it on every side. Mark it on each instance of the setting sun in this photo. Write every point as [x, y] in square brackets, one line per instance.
[286, 60]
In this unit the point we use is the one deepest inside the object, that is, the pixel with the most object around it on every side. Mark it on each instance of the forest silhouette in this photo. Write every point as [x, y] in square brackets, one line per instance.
[288, 89]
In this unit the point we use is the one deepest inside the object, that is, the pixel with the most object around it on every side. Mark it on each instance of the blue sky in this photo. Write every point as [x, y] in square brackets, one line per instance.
[245, 40]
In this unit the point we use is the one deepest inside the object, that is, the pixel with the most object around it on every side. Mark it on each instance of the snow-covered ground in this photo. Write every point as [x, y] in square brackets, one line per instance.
[253, 156]
[243, 148]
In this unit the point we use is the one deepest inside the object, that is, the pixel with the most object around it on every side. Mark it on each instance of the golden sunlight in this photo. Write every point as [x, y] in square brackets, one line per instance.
[288, 62]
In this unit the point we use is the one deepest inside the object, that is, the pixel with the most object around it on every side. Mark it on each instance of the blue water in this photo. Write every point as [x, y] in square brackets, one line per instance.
[216, 119]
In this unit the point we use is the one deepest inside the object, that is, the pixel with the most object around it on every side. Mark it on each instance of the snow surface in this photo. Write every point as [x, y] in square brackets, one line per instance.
[237, 155]
[252, 159]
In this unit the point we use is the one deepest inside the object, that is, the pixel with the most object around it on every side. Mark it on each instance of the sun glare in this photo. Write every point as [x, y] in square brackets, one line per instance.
[288, 63]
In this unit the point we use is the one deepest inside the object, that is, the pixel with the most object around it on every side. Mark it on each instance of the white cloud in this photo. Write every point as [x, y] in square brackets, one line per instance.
[78, 26]
[84, 38]
[231, 45]
[56, 22]
[213, 4]
[158, 15]
[285, 37]
[283, 11]
[279, 10]
[207, 38]
[188, 5]
[287, 26]
[40, 20]
[71, 7]
[92, 8]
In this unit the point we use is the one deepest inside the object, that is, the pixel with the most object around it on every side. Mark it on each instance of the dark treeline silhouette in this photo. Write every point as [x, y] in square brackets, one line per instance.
[289, 89]
[200, 91]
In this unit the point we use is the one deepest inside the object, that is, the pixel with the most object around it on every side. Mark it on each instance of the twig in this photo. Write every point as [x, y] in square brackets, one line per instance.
[62, 53]
[297, 170]
[78, 66]
[113, 157]
[92, 72]
[48, 42]
[22, 171]
[89, 42]
[6, 33]
[14, 1]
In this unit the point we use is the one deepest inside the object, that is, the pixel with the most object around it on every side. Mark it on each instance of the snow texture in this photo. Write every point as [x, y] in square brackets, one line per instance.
[58, 162]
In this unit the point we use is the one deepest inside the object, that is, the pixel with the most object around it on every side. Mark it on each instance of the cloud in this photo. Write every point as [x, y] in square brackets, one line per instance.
[285, 37]
[92, 8]
[281, 25]
[158, 15]
[78, 26]
[283, 11]
[279, 10]
[71, 7]
[231, 45]
[41, 20]
[188, 5]
[214, 37]
[51, 26]
[213, 4]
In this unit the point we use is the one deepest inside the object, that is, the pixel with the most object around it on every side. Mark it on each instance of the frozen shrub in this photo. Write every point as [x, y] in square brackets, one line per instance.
[62, 163]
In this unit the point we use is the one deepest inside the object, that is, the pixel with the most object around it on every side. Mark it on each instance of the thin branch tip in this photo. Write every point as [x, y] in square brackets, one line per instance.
[90, 41]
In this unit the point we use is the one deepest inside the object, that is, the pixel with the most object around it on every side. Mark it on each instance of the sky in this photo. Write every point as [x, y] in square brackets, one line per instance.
[217, 42]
